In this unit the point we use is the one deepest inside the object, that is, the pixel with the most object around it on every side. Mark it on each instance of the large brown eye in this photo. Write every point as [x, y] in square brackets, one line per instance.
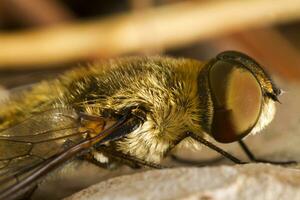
[237, 99]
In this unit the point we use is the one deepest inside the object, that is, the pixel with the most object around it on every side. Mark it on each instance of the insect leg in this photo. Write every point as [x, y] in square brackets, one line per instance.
[90, 158]
[191, 162]
[28, 194]
[254, 159]
[217, 149]
[130, 160]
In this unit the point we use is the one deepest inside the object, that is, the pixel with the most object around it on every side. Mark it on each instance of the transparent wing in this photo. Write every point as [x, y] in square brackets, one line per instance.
[28, 155]
[34, 140]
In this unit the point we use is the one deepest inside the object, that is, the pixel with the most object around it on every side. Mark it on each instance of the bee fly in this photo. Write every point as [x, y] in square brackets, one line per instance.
[131, 110]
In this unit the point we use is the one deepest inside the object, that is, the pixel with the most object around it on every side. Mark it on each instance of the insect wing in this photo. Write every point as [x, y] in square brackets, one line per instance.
[20, 179]
[33, 141]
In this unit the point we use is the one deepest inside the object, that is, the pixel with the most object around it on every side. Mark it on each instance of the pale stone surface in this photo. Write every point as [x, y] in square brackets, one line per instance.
[252, 181]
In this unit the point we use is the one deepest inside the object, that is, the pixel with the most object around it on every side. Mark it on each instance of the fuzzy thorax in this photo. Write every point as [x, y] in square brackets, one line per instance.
[150, 142]
[171, 113]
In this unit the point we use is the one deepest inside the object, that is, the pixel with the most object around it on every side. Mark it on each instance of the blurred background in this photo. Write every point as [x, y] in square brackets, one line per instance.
[40, 39]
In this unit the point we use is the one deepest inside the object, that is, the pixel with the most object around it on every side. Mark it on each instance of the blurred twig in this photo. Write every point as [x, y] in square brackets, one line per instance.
[137, 5]
[36, 12]
[140, 6]
[168, 26]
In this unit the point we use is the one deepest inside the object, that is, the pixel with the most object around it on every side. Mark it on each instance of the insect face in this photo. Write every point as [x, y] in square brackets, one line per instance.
[242, 96]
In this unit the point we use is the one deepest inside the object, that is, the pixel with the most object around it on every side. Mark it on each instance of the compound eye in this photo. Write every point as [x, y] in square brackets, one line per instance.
[237, 100]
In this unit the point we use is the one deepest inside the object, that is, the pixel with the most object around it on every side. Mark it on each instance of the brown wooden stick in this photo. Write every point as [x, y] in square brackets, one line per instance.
[36, 12]
[168, 26]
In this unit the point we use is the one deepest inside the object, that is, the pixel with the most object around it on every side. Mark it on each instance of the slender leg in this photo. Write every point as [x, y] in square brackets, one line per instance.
[28, 194]
[190, 162]
[217, 149]
[254, 159]
[90, 158]
[137, 161]
[126, 159]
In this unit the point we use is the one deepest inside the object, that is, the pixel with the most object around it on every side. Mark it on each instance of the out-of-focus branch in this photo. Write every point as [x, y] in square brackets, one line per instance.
[138, 6]
[36, 12]
[168, 26]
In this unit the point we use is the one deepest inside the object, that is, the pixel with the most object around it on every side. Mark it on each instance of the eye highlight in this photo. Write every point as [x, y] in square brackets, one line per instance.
[237, 99]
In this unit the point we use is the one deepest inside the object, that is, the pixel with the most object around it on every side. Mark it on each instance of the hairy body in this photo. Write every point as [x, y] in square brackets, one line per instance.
[164, 89]
[133, 111]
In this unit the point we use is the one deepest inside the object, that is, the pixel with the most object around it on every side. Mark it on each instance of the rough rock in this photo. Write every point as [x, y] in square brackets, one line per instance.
[251, 181]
